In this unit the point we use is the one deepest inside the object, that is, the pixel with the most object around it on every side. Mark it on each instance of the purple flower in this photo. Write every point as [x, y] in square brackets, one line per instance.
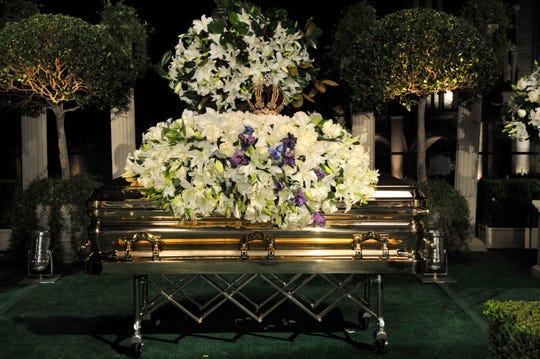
[278, 186]
[239, 159]
[288, 159]
[283, 152]
[248, 130]
[318, 219]
[320, 173]
[276, 152]
[246, 138]
[289, 142]
[299, 199]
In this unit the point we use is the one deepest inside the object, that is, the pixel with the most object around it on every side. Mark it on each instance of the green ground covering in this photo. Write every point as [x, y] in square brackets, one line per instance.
[82, 315]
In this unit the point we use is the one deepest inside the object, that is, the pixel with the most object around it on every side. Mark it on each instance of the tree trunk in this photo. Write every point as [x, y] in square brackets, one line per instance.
[421, 174]
[59, 114]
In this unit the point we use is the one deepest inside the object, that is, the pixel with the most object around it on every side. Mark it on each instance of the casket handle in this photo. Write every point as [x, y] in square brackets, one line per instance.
[253, 236]
[141, 236]
[358, 239]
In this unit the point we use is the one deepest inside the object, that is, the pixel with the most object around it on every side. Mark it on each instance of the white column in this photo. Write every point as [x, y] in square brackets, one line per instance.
[467, 154]
[365, 123]
[34, 148]
[397, 144]
[122, 137]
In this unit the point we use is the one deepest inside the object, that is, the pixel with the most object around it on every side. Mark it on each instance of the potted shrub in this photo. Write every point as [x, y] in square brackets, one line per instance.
[448, 213]
[54, 205]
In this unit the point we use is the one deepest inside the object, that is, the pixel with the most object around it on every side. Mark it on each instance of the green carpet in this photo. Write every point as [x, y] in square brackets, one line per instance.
[82, 315]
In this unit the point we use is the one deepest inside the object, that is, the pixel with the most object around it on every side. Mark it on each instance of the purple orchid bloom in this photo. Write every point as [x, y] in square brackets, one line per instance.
[299, 199]
[278, 186]
[318, 219]
[239, 159]
[320, 173]
[289, 142]
[246, 138]
[289, 159]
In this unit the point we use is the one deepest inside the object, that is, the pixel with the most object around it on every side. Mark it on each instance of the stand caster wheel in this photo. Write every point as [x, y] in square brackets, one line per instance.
[379, 345]
[136, 350]
[379, 342]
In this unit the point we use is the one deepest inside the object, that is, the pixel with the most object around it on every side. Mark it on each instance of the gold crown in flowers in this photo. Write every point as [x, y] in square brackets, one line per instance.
[267, 99]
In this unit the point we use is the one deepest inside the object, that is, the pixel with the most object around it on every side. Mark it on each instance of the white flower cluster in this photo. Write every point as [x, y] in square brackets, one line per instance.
[524, 107]
[219, 66]
[288, 171]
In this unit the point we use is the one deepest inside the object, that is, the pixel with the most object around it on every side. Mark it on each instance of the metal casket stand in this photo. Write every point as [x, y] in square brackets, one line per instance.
[281, 288]
[229, 259]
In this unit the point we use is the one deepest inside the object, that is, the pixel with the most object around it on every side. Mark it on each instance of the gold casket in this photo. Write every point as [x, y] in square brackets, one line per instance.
[130, 234]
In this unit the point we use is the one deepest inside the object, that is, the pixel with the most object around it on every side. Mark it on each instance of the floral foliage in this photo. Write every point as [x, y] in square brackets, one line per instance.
[524, 106]
[221, 58]
[262, 168]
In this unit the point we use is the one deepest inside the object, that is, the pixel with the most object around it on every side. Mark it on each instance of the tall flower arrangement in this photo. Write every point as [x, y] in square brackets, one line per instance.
[217, 159]
[221, 58]
[524, 106]
[262, 168]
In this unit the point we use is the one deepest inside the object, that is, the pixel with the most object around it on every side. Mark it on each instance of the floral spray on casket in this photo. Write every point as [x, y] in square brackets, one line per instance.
[231, 153]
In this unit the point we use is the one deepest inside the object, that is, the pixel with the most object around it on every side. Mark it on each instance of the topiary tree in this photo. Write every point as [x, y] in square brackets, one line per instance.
[493, 19]
[407, 56]
[10, 11]
[62, 63]
[352, 56]
[424, 52]
[125, 26]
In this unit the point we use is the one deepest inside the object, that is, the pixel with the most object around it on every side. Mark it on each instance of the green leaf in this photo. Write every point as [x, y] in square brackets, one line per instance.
[234, 19]
[217, 27]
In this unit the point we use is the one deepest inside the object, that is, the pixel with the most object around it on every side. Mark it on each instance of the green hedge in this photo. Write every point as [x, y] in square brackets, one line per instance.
[507, 202]
[514, 329]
